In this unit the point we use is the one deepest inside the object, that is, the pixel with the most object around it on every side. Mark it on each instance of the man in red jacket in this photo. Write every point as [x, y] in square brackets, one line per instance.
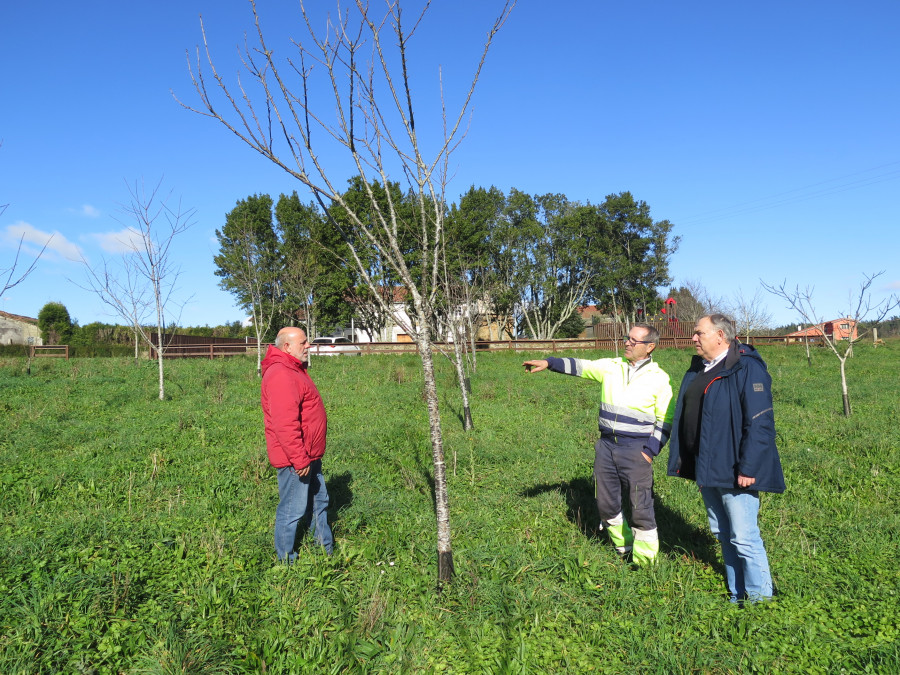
[296, 426]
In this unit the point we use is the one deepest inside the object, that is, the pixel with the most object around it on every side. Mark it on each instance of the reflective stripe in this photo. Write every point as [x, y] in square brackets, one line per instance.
[646, 535]
[630, 414]
[642, 406]
[567, 366]
[572, 367]
[662, 432]
[630, 422]
[615, 520]
[619, 427]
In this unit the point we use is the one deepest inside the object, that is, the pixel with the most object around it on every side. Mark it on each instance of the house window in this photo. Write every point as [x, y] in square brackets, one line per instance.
[845, 326]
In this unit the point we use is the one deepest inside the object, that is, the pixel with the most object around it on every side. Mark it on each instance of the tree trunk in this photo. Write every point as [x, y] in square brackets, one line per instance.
[615, 323]
[441, 498]
[463, 381]
[159, 358]
[258, 355]
[469, 337]
[844, 393]
[160, 332]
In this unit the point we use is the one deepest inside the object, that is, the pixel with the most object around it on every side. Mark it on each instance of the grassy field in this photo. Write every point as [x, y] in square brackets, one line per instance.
[136, 534]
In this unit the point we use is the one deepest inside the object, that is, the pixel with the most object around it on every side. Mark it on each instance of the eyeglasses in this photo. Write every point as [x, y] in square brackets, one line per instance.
[631, 340]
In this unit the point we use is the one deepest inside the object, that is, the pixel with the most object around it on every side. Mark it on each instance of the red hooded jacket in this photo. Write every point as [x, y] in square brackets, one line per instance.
[293, 411]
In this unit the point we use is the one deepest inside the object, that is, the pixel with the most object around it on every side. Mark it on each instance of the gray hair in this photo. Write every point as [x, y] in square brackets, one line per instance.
[724, 324]
[652, 334]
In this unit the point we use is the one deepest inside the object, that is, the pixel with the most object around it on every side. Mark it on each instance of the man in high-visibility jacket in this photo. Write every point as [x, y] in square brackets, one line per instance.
[635, 420]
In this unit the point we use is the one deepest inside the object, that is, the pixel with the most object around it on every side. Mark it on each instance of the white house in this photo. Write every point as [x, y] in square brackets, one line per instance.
[15, 330]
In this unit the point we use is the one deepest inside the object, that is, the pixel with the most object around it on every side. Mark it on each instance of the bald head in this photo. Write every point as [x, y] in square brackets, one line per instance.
[292, 340]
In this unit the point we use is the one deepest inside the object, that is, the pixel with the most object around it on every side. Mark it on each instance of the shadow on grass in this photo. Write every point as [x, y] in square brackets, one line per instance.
[339, 496]
[579, 496]
[427, 476]
[679, 537]
[457, 411]
[339, 493]
[676, 536]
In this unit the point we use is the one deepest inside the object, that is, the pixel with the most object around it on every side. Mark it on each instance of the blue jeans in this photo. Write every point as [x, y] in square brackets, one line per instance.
[733, 520]
[302, 499]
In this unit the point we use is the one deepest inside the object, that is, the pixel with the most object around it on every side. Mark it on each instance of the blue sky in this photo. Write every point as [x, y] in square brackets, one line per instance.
[768, 132]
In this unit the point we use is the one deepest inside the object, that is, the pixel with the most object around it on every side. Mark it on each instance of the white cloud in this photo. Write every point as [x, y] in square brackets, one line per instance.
[86, 210]
[894, 286]
[34, 239]
[123, 241]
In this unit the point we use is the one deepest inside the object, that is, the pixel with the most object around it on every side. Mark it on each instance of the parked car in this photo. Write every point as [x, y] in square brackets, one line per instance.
[333, 346]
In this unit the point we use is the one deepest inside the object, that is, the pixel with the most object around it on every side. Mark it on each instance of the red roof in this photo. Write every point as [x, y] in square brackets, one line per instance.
[16, 317]
[827, 328]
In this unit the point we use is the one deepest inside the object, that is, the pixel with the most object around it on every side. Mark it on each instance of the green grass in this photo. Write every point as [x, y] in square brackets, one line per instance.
[136, 533]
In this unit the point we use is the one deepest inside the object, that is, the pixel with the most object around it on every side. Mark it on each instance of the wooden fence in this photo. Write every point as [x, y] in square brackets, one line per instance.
[196, 346]
[51, 351]
[201, 351]
[211, 351]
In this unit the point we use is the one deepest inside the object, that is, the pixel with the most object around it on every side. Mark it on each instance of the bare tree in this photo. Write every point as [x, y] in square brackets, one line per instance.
[374, 310]
[251, 277]
[142, 289]
[461, 316]
[263, 292]
[9, 275]
[693, 301]
[801, 301]
[298, 281]
[750, 313]
[369, 116]
[123, 291]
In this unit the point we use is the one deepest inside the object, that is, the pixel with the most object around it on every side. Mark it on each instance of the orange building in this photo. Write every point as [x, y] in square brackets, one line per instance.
[837, 329]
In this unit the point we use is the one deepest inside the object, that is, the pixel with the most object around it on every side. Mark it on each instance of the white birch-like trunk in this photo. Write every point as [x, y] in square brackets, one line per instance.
[845, 394]
[616, 322]
[159, 355]
[441, 498]
[258, 355]
[459, 362]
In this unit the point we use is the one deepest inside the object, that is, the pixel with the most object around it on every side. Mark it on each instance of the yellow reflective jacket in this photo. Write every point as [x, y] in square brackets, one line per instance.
[639, 409]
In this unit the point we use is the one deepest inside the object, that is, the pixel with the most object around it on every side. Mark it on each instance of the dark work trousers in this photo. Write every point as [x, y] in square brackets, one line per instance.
[620, 469]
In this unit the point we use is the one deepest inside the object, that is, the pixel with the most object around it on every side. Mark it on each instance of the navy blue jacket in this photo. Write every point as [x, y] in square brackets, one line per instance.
[737, 426]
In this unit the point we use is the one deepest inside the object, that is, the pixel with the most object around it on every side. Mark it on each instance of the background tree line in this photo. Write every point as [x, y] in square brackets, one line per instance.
[523, 263]
[59, 328]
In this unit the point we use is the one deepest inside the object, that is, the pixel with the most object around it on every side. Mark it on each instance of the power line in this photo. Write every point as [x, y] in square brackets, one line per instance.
[800, 194]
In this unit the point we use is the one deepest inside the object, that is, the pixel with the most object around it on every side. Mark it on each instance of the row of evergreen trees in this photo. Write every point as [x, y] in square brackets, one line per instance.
[528, 259]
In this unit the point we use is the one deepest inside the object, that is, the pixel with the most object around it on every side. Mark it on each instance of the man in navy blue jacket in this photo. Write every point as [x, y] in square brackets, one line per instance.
[723, 437]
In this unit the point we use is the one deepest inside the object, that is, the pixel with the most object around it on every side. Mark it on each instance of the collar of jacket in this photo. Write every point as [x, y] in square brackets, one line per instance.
[734, 355]
[732, 358]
